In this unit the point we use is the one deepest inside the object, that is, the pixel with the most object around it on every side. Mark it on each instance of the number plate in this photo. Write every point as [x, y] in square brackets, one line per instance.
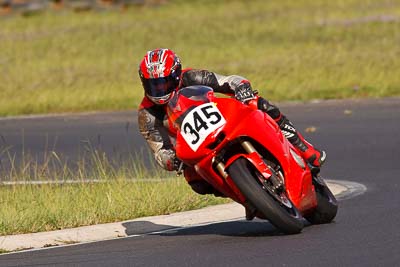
[199, 123]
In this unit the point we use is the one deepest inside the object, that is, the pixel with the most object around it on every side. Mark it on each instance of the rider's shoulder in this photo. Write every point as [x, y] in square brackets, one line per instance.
[193, 71]
[194, 74]
[186, 70]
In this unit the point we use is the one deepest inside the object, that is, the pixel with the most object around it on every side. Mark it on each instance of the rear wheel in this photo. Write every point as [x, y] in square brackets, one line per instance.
[272, 204]
[327, 205]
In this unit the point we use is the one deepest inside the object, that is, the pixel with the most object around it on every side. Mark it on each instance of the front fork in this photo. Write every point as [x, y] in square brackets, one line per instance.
[247, 146]
[268, 178]
[256, 159]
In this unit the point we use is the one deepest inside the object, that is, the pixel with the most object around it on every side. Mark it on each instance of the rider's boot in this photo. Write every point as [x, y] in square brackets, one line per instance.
[250, 213]
[312, 155]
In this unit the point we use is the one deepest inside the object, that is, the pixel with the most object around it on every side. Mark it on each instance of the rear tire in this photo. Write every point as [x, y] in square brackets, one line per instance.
[327, 206]
[287, 219]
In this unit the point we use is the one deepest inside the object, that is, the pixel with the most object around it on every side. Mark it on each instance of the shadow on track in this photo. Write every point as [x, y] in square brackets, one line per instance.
[240, 228]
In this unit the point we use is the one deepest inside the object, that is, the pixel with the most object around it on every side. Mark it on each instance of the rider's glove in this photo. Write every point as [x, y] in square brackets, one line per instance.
[244, 93]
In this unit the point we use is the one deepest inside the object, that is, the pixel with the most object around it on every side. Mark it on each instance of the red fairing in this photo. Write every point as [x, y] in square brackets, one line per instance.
[206, 125]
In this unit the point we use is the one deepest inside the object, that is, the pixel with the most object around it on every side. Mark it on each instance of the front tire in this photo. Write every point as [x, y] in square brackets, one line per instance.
[327, 206]
[284, 216]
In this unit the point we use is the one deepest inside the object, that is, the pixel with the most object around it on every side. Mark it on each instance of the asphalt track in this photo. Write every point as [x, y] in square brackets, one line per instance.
[363, 144]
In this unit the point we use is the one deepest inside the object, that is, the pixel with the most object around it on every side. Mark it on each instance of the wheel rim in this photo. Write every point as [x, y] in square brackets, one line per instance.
[279, 194]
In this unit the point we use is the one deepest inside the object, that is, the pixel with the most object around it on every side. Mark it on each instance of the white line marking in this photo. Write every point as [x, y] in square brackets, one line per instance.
[343, 190]
[43, 182]
[353, 189]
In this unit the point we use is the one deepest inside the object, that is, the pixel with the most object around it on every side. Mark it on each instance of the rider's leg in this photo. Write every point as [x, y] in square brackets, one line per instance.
[312, 155]
[198, 184]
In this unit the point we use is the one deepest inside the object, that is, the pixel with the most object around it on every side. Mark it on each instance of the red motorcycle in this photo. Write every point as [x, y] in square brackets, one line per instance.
[242, 153]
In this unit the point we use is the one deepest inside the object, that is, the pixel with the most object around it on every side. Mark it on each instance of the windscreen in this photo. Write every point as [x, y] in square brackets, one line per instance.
[186, 99]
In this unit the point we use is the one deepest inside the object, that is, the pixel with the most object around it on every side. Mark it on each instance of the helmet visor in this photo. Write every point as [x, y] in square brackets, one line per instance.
[159, 87]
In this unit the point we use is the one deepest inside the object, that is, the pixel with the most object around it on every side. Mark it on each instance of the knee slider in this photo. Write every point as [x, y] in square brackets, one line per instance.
[270, 109]
[201, 187]
[262, 104]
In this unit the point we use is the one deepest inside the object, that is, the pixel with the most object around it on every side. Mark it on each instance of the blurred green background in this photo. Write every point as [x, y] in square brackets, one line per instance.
[65, 61]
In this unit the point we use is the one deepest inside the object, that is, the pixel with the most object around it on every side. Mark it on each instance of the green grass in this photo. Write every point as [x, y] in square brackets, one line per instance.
[121, 192]
[4, 251]
[62, 62]
[35, 208]
[290, 50]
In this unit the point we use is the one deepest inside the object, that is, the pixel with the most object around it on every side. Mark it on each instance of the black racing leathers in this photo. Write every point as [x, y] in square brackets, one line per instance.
[153, 122]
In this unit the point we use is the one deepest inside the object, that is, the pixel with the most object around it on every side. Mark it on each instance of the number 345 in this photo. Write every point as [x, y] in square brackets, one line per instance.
[204, 118]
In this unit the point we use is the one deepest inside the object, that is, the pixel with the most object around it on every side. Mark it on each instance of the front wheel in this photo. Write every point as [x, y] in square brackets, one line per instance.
[327, 205]
[280, 211]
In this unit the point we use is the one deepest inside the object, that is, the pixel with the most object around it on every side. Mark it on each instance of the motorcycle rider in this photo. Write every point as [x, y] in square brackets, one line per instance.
[161, 74]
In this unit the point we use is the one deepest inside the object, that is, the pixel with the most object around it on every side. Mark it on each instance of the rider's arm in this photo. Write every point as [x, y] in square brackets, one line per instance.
[220, 83]
[227, 85]
[151, 126]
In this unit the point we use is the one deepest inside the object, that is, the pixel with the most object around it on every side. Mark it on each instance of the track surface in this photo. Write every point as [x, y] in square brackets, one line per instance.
[71, 137]
[363, 143]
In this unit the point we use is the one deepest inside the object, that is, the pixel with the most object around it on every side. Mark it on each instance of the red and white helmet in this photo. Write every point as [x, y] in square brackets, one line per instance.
[160, 72]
